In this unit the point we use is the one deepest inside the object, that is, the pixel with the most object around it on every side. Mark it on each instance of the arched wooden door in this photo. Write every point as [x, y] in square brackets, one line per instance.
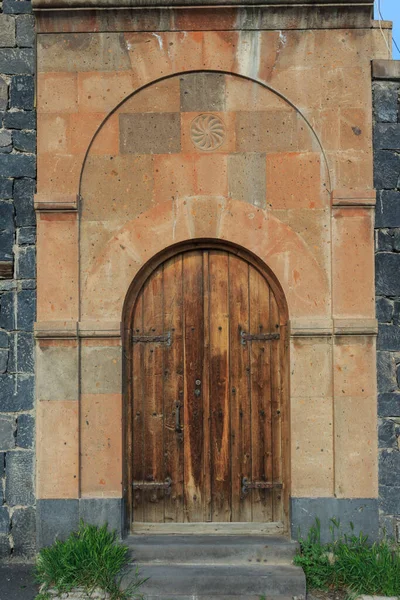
[206, 386]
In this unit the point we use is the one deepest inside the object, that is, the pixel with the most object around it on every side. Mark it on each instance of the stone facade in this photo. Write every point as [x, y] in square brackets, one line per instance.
[386, 88]
[18, 279]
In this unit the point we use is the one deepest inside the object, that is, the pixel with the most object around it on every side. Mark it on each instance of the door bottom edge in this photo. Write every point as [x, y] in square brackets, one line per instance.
[238, 528]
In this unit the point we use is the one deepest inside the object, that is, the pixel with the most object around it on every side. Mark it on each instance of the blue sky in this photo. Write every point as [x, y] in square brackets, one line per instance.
[390, 10]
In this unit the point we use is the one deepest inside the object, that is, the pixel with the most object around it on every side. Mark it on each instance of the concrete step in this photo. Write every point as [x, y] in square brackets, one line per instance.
[205, 549]
[222, 582]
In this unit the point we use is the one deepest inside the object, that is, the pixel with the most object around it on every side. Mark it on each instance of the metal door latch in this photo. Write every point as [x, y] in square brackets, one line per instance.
[258, 337]
[259, 485]
[152, 339]
[153, 485]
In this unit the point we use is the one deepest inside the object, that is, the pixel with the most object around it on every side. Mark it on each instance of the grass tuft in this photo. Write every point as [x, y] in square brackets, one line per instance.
[349, 562]
[90, 558]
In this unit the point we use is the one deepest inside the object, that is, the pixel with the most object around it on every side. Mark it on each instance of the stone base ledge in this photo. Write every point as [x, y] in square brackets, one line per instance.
[74, 329]
[343, 198]
[386, 69]
[332, 327]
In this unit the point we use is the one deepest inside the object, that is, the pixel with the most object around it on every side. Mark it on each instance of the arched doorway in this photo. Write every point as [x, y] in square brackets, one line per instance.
[206, 328]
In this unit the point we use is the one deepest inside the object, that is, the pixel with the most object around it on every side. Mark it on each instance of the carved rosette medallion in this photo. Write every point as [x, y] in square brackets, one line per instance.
[207, 132]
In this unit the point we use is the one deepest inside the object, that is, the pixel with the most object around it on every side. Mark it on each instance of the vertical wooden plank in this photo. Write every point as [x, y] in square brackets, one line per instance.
[239, 387]
[207, 507]
[153, 405]
[219, 387]
[260, 365]
[276, 402]
[173, 388]
[138, 412]
[193, 393]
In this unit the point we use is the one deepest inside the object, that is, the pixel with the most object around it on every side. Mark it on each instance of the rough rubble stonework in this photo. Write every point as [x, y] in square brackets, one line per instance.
[387, 235]
[18, 287]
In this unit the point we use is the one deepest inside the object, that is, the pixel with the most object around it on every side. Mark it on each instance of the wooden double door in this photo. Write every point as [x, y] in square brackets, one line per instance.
[206, 377]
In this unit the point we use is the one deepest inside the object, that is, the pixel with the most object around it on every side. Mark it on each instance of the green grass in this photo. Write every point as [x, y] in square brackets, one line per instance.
[349, 562]
[90, 558]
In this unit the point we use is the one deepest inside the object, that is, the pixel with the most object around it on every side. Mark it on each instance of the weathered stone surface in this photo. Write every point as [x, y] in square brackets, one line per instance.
[386, 98]
[386, 169]
[22, 92]
[26, 300]
[26, 236]
[24, 532]
[56, 519]
[23, 119]
[2, 464]
[7, 313]
[3, 94]
[5, 138]
[150, 133]
[6, 231]
[16, 392]
[108, 362]
[387, 136]
[4, 520]
[26, 263]
[6, 188]
[23, 200]
[16, 7]
[79, 594]
[7, 430]
[7, 31]
[388, 337]
[16, 61]
[98, 511]
[387, 434]
[386, 371]
[25, 358]
[389, 467]
[63, 362]
[384, 240]
[389, 499]
[387, 268]
[384, 310]
[25, 431]
[388, 209]
[25, 141]
[19, 478]
[5, 548]
[3, 360]
[202, 92]
[18, 165]
[247, 178]
[4, 341]
[25, 31]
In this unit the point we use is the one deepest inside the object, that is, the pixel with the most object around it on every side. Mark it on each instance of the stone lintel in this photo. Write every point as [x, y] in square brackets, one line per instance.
[56, 202]
[386, 69]
[342, 198]
[56, 330]
[214, 15]
[312, 4]
[73, 329]
[328, 327]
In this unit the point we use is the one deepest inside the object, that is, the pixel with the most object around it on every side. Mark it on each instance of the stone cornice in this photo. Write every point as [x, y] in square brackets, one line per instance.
[343, 4]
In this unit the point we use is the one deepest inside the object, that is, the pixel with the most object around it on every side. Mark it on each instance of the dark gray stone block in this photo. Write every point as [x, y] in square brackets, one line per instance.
[389, 499]
[386, 169]
[7, 285]
[3, 94]
[12, 355]
[387, 136]
[20, 466]
[389, 405]
[387, 434]
[27, 284]
[26, 263]
[7, 431]
[6, 246]
[4, 341]
[388, 209]
[386, 98]
[3, 360]
[26, 313]
[6, 216]
[25, 141]
[98, 511]
[4, 520]
[396, 239]
[398, 376]
[25, 353]
[389, 467]
[387, 280]
[5, 138]
[5, 548]
[387, 527]
[24, 119]
[202, 92]
[26, 236]
[16, 7]
[384, 310]
[7, 311]
[24, 190]
[2, 464]
[25, 431]
[25, 31]
[22, 92]
[16, 393]
[55, 520]
[386, 371]
[7, 31]
[24, 532]
[150, 133]
[18, 165]
[388, 337]
[16, 61]
[363, 513]
[6, 188]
